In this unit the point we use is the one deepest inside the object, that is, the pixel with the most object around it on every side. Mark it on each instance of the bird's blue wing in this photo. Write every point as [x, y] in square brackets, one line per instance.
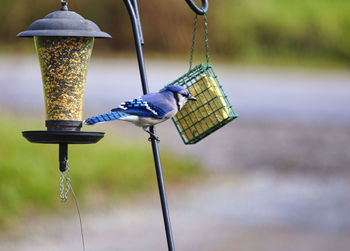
[140, 107]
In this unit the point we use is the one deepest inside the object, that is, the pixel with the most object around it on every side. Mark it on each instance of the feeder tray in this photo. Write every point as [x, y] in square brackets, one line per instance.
[63, 137]
[211, 111]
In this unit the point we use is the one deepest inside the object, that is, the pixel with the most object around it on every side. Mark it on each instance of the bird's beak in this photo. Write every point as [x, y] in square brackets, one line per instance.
[190, 97]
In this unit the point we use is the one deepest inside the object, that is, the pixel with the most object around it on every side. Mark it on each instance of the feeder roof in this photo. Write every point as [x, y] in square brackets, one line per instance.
[64, 23]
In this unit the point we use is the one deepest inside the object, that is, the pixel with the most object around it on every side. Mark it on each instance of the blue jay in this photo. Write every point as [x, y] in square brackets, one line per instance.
[148, 110]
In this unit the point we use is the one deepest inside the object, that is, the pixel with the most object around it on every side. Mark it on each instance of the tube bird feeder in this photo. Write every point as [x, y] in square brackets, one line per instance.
[63, 41]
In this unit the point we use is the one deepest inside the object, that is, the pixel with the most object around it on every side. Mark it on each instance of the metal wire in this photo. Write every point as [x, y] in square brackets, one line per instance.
[79, 215]
[65, 186]
[195, 25]
[193, 40]
[206, 38]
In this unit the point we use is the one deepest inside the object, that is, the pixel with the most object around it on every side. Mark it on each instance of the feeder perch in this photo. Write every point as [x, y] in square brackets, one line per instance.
[211, 111]
[63, 41]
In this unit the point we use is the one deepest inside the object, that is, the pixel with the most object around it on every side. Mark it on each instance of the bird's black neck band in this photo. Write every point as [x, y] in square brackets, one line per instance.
[177, 101]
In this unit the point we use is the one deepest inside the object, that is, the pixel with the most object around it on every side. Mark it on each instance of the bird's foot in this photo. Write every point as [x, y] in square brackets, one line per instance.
[151, 135]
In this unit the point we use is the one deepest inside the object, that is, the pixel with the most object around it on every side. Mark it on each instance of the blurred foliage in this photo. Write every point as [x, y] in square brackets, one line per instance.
[238, 29]
[114, 169]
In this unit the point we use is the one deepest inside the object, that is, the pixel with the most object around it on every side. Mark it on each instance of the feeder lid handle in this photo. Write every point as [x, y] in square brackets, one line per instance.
[64, 4]
[196, 9]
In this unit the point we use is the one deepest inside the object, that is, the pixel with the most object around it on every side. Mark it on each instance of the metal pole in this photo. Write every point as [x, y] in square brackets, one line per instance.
[136, 25]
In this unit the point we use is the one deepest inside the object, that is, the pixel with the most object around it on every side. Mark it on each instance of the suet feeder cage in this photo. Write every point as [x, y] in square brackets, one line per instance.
[63, 41]
[211, 111]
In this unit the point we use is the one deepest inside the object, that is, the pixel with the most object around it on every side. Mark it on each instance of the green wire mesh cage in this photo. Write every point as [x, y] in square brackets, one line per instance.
[211, 111]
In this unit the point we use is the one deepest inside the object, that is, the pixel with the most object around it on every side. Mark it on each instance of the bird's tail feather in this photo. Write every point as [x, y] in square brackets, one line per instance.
[104, 117]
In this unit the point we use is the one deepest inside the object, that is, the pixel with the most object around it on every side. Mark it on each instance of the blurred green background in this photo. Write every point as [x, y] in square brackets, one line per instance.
[311, 32]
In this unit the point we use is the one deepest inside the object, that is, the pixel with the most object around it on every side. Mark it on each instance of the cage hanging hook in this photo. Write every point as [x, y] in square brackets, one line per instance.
[196, 9]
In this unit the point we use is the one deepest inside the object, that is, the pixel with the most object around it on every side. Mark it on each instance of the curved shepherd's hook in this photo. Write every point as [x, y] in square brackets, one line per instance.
[196, 9]
[132, 8]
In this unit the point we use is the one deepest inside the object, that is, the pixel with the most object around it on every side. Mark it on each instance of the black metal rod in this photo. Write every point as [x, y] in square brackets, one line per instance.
[136, 25]
[196, 9]
[63, 156]
[138, 43]
[162, 192]
[137, 15]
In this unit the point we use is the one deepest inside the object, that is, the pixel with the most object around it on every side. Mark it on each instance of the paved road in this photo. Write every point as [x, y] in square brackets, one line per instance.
[264, 213]
[256, 93]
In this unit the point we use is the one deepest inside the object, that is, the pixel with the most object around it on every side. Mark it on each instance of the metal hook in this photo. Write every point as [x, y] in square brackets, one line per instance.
[64, 4]
[196, 9]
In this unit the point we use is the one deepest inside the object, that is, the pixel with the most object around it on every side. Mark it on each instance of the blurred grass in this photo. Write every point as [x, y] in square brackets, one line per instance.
[251, 31]
[265, 29]
[105, 172]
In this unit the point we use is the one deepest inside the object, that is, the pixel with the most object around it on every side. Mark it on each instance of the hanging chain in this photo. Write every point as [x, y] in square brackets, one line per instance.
[206, 38]
[64, 184]
[194, 39]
